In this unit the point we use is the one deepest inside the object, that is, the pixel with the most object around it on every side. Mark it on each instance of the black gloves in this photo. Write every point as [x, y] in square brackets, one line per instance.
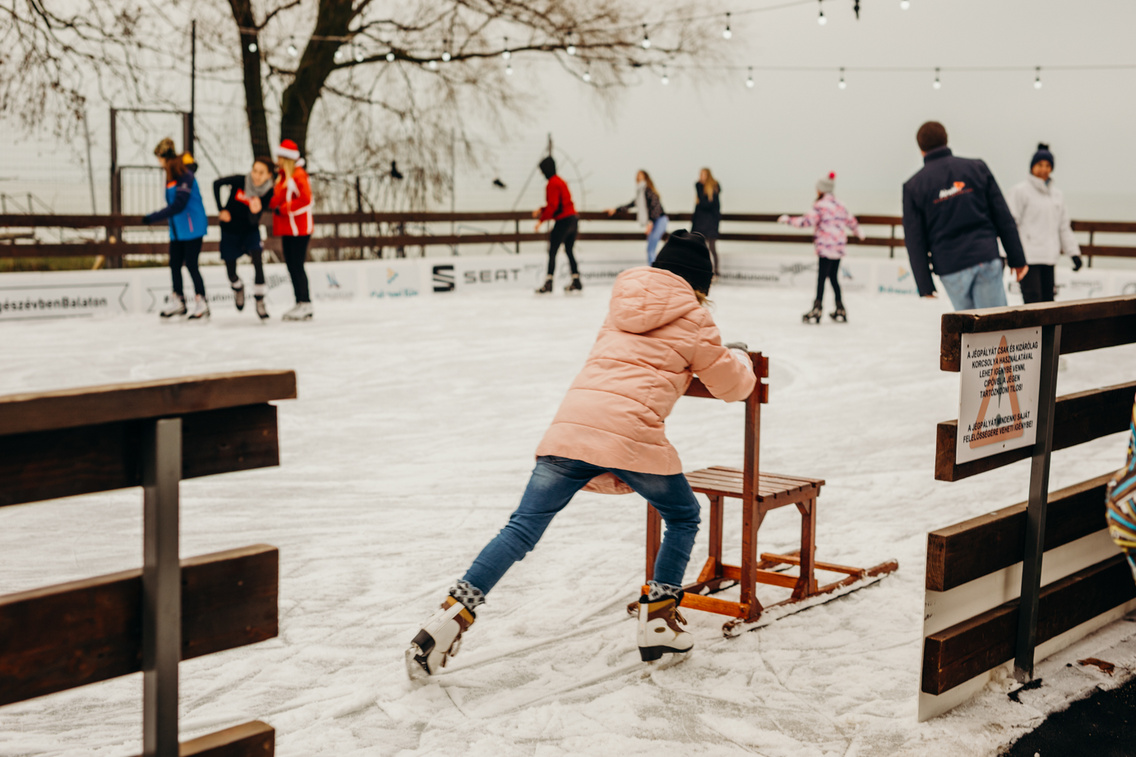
[1077, 262]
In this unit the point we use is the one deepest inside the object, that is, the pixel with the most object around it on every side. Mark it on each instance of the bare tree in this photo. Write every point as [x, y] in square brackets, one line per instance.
[372, 78]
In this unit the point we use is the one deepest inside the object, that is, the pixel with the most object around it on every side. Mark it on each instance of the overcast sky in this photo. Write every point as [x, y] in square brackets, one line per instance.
[769, 144]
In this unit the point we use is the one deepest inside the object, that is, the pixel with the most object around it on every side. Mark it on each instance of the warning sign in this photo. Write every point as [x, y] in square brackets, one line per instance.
[1001, 373]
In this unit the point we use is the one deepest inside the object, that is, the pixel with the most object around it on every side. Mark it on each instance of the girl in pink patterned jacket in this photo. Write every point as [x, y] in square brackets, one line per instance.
[833, 222]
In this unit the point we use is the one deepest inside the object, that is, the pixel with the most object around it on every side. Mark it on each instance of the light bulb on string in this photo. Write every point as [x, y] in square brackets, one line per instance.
[509, 69]
[571, 49]
[904, 4]
[338, 56]
[646, 43]
[842, 84]
[666, 79]
[358, 55]
[587, 76]
[446, 53]
[390, 56]
[293, 50]
[506, 54]
[749, 80]
[252, 47]
[937, 84]
[821, 19]
[432, 65]
[1037, 78]
[727, 33]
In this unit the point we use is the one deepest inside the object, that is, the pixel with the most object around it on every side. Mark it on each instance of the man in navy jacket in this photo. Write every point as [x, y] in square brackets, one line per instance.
[953, 216]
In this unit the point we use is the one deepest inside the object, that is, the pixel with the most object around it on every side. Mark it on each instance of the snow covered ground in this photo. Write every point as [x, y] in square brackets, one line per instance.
[411, 443]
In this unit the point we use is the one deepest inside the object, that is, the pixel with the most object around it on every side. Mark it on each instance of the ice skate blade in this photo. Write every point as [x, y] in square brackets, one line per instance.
[654, 654]
[415, 664]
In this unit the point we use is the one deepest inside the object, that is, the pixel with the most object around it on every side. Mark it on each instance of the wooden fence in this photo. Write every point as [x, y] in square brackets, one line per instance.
[1028, 580]
[153, 435]
[385, 234]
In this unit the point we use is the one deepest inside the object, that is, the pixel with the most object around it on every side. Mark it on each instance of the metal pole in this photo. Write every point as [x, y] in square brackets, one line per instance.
[161, 589]
[90, 166]
[189, 137]
[1038, 503]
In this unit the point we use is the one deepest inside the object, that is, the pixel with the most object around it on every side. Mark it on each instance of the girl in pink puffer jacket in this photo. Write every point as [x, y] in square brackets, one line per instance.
[609, 436]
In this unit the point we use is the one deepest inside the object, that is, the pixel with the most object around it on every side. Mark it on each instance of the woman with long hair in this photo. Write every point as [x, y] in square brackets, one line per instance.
[292, 221]
[185, 213]
[648, 212]
[240, 227]
[707, 212]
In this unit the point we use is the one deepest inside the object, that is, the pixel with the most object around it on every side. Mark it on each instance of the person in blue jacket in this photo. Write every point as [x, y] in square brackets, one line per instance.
[953, 216]
[185, 213]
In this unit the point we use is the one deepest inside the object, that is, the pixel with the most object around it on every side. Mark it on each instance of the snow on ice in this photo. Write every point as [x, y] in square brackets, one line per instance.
[408, 447]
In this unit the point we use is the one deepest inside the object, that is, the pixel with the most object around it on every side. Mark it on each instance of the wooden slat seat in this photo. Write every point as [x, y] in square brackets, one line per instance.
[729, 482]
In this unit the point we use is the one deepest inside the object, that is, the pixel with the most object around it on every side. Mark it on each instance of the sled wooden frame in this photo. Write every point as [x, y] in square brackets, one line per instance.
[150, 434]
[759, 493]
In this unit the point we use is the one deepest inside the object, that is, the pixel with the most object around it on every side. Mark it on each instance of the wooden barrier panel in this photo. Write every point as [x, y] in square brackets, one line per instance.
[980, 546]
[970, 648]
[60, 637]
[91, 405]
[1085, 325]
[50, 464]
[1077, 418]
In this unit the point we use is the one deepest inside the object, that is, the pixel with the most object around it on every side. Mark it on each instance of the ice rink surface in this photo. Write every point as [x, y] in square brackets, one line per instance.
[408, 447]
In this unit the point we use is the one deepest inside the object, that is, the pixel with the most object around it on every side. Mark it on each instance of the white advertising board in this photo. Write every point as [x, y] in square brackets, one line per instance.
[998, 392]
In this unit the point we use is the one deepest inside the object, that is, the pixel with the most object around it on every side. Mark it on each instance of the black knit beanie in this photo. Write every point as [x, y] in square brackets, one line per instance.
[1042, 153]
[687, 255]
[548, 167]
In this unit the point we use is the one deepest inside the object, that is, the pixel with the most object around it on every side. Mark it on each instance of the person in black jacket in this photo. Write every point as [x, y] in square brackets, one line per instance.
[953, 216]
[240, 227]
[707, 212]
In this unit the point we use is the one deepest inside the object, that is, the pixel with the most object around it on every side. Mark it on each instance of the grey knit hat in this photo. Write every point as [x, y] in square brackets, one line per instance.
[827, 184]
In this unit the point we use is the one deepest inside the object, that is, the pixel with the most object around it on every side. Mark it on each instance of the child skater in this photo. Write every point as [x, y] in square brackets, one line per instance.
[292, 221]
[833, 222]
[559, 209]
[185, 213]
[240, 227]
[608, 436]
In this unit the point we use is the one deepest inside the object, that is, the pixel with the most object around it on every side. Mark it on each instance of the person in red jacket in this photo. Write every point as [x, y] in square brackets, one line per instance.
[292, 221]
[558, 208]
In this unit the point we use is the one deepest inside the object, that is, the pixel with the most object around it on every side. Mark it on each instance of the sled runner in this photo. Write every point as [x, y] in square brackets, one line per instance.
[759, 493]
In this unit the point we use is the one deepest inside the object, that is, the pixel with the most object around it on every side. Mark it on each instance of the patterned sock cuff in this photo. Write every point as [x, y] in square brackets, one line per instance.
[658, 591]
[468, 594]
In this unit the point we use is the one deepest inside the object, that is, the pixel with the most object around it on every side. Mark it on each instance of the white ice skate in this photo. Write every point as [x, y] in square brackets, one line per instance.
[660, 629]
[175, 305]
[239, 294]
[438, 640]
[302, 312]
[200, 309]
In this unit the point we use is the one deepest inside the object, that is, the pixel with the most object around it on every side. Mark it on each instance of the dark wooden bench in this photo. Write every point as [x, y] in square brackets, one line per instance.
[759, 493]
[151, 434]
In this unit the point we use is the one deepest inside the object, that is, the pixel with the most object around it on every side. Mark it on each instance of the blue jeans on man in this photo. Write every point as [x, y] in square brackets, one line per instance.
[555, 480]
[979, 286]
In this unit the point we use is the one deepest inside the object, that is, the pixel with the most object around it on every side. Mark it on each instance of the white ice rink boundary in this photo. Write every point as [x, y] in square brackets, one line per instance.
[72, 294]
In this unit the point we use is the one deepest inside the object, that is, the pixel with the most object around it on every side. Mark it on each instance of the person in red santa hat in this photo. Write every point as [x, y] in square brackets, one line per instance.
[292, 221]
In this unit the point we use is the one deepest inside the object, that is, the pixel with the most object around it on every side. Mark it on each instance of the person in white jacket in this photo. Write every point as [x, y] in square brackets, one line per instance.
[1039, 209]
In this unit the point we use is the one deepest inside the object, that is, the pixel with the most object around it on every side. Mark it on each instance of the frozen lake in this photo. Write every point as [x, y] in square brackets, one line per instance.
[410, 444]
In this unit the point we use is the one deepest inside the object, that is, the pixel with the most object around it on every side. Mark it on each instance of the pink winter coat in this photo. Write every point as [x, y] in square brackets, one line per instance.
[655, 337]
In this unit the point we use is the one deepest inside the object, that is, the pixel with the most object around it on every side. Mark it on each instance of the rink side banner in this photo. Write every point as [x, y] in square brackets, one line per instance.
[998, 391]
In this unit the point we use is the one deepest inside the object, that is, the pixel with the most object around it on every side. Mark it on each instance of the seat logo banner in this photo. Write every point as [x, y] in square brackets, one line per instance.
[998, 392]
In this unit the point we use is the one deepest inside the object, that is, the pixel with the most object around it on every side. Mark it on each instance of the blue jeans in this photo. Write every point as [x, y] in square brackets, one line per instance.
[658, 228]
[979, 286]
[555, 480]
